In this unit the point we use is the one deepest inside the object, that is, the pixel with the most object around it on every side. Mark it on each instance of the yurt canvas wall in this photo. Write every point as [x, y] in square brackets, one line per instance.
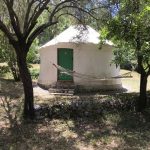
[82, 56]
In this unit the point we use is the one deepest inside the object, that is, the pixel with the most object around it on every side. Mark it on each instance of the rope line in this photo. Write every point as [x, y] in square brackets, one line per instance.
[85, 76]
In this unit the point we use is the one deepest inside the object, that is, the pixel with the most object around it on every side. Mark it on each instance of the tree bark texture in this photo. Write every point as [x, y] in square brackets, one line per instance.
[15, 72]
[142, 101]
[27, 85]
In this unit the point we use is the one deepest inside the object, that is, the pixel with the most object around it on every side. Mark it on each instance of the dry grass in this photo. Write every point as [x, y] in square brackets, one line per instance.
[3, 64]
[35, 66]
[133, 83]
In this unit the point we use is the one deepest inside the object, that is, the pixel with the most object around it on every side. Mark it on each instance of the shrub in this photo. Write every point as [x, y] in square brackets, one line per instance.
[34, 73]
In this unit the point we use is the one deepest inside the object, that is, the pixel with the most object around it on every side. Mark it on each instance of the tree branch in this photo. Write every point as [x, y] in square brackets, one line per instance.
[33, 19]
[4, 29]
[80, 9]
[13, 18]
[27, 15]
[56, 7]
[67, 13]
[37, 31]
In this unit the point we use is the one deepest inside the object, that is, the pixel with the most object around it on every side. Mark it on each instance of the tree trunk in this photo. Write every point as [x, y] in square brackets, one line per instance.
[27, 85]
[142, 102]
[15, 73]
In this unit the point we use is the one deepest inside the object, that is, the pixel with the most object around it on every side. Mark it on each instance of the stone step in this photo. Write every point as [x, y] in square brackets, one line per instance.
[63, 85]
[61, 91]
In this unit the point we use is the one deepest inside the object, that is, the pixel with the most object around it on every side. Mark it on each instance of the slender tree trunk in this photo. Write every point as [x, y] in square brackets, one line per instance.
[27, 84]
[142, 102]
[15, 73]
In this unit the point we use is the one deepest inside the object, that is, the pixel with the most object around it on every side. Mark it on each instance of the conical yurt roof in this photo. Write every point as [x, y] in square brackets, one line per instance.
[77, 34]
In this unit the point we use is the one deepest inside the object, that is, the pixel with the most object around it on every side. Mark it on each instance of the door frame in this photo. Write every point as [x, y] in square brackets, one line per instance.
[58, 49]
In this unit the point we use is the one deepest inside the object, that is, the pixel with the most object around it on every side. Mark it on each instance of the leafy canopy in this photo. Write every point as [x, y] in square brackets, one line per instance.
[132, 21]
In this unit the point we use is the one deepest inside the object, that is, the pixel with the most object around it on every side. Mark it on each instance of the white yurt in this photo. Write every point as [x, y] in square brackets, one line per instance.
[74, 56]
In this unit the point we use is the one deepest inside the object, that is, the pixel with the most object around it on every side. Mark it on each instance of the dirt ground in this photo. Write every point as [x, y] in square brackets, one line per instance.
[113, 125]
[130, 84]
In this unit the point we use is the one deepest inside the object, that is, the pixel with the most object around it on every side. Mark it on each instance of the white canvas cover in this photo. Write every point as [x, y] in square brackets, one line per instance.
[77, 34]
[87, 58]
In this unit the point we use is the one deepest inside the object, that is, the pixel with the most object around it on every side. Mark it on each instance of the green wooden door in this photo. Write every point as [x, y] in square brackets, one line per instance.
[65, 60]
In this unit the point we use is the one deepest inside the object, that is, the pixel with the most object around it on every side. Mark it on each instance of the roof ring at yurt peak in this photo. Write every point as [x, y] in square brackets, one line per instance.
[89, 77]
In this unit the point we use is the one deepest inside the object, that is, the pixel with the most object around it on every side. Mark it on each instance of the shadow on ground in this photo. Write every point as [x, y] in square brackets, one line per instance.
[11, 88]
[80, 123]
